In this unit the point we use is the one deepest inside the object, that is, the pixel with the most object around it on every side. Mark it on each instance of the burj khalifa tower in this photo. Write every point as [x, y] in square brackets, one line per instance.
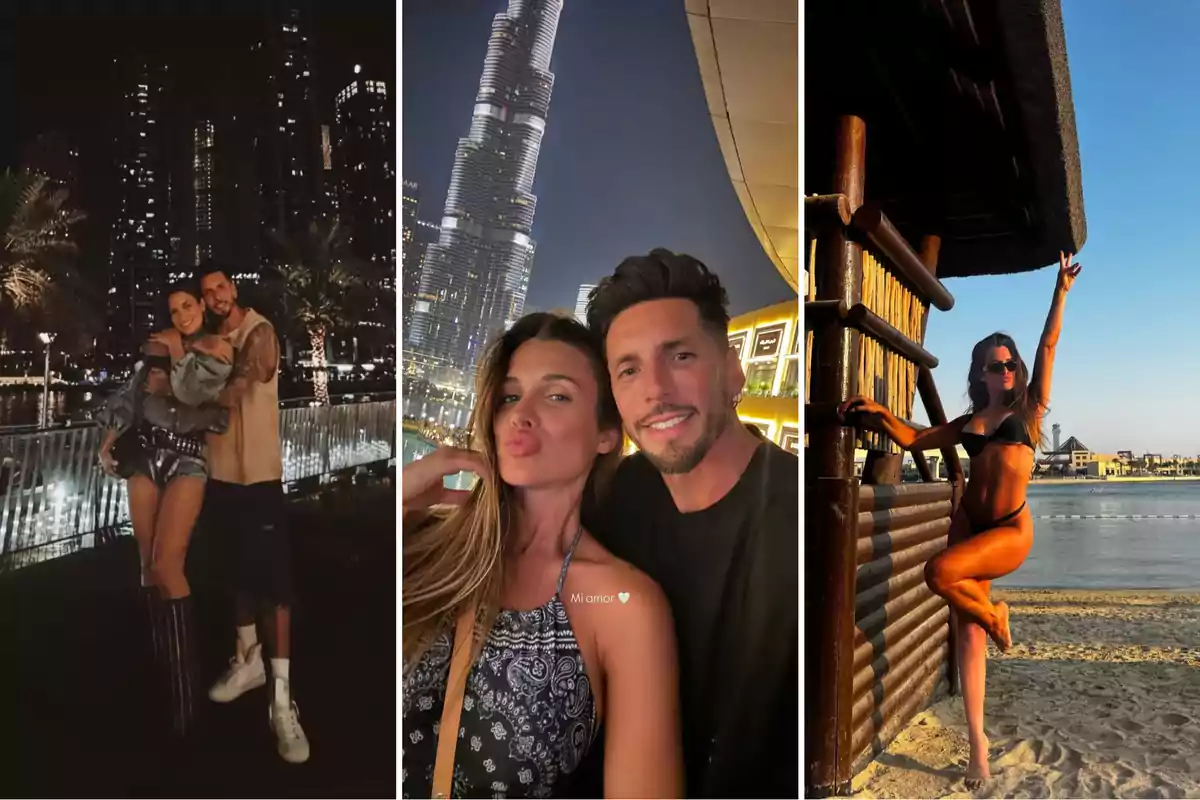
[476, 276]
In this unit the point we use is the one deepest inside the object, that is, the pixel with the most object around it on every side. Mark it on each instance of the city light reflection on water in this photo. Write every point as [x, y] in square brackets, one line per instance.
[54, 499]
[414, 447]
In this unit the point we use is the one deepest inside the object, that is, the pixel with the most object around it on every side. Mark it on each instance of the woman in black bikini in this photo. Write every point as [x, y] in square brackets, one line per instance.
[992, 532]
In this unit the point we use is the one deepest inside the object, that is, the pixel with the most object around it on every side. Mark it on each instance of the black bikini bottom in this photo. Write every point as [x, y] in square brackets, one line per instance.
[997, 522]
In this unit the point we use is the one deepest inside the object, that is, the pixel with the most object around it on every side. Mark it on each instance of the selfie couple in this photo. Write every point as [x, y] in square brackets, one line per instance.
[586, 624]
[197, 427]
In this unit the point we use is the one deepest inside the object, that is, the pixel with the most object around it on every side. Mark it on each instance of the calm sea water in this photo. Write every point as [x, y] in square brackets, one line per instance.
[1076, 553]
[24, 406]
[1113, 553]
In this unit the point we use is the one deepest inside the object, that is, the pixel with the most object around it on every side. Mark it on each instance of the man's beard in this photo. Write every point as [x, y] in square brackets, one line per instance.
[680, 460]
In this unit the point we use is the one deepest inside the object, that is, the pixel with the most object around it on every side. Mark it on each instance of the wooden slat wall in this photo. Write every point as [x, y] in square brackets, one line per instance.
[901, 644]
[885, 376]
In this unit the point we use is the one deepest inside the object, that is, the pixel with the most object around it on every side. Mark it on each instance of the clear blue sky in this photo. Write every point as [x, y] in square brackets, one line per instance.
[1126, 376]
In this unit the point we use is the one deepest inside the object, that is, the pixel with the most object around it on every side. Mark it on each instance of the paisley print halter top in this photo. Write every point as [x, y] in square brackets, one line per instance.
[528, 715]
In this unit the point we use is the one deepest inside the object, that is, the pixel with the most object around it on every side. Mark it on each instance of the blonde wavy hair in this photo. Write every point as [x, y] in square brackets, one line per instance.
[455, 558]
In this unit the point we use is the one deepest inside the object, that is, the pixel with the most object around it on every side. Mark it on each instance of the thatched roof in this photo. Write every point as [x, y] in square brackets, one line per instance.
[970, 123]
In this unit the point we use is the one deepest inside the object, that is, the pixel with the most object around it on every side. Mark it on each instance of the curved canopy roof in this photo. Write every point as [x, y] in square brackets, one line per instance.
[970, 126]
[748, 53]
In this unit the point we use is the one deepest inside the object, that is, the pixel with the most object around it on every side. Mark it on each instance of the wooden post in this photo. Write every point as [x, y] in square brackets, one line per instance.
[882, 468]
[829, 524]
[930, 248]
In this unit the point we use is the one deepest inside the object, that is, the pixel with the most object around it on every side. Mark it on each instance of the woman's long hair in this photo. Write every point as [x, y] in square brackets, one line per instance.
[457, 558]
[1019, 398]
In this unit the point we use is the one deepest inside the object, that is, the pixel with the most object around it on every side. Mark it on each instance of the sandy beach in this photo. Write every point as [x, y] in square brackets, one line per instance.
[1114, 479]
[1099, 697]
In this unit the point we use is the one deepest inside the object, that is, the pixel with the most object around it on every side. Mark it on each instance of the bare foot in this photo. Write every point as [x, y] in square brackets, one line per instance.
[977, 770]
[1002, 636]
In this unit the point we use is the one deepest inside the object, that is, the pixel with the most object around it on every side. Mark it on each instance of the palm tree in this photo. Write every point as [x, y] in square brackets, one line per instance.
[35, 248]
[320, 276]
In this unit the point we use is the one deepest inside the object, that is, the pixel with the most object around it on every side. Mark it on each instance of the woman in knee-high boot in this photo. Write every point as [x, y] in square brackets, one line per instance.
[154, 439]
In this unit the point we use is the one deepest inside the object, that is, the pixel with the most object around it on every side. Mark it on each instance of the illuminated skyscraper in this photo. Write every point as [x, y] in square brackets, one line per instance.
[581, 301]
[202, 189]
[287, 143]
[475, 277]
[415, 237]
[366, 158]
[139, 253]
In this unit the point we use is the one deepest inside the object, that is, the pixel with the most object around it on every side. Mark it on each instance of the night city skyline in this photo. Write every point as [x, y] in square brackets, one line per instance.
[629, 160]
[224, 181]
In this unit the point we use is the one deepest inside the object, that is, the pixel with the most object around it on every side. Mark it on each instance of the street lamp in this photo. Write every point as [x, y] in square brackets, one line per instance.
[47, 340]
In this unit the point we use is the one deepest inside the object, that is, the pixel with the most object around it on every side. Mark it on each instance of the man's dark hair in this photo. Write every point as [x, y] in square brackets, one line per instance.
[212, 267]
[660, 275]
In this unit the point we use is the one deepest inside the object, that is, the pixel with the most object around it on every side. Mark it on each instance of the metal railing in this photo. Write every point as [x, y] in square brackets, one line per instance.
[55, 499]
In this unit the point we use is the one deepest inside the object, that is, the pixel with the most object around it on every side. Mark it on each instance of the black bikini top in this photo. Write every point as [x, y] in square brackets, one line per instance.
[1010, 431]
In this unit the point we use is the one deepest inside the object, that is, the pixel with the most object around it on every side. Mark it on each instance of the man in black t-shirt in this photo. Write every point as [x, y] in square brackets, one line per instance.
[710, 510]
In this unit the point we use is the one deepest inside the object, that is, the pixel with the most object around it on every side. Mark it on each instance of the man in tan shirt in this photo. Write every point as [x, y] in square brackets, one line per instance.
[244, 505]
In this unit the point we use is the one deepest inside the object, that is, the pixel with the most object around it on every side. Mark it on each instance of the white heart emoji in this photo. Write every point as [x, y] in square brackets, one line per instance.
[623, 597]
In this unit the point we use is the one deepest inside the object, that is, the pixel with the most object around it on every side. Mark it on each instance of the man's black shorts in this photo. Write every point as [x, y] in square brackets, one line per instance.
[248, 527]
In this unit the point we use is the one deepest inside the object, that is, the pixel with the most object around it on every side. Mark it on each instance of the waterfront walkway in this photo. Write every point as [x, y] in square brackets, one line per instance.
[77, 712]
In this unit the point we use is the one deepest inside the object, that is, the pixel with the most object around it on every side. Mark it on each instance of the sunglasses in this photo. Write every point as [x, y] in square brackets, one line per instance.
[1000, 367]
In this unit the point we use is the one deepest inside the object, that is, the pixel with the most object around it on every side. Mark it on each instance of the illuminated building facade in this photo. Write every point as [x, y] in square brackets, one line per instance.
[140, 247]
[581, 302]
[768, 342]
[415, 237]
[202, 189]
[287, 145]
[366, 154]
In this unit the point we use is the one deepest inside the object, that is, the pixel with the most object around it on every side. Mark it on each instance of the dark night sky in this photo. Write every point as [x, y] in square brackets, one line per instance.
[54, 67]
[629, 161]
[56, 73]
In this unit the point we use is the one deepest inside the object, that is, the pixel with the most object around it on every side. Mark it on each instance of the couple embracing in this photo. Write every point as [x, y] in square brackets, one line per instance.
[197, 427]
[580, 622]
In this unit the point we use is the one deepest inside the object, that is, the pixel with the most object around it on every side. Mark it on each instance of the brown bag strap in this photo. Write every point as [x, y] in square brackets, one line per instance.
[456, 685]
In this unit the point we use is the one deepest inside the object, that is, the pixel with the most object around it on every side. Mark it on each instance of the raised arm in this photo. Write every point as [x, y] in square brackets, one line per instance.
[256, 362]
[872, 416]
[1043, 365]
[643, 755]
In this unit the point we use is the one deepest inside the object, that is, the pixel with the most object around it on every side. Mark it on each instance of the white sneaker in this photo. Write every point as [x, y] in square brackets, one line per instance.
[243, 675]
[293, 744]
